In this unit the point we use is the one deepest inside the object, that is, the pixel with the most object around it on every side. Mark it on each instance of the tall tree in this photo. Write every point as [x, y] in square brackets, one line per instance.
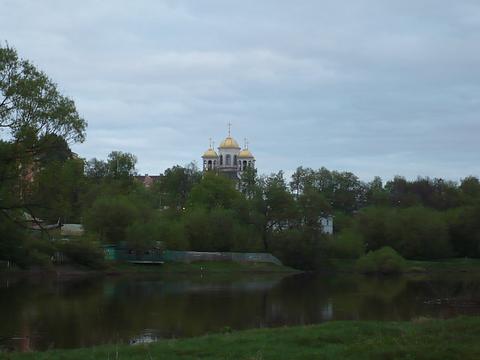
[34, 117]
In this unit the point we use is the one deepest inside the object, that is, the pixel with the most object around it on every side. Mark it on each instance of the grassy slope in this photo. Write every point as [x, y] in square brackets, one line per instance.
[202, 266]
[456, 264]
[427, 339]
[447, 265]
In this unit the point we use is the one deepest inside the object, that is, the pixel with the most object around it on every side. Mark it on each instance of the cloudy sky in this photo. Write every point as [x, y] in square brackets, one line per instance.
[375, 87]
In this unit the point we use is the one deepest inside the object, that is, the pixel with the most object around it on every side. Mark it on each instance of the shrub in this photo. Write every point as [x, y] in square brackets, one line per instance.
[298, 250]
[83, 252]
[415, 232]
[109, 217]
[383, 261]
[347, 245]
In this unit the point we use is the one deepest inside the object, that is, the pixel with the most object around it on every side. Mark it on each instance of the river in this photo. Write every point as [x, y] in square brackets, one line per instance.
[42, 312]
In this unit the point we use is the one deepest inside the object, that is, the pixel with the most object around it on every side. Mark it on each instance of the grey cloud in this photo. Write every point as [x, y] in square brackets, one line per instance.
[375, 87]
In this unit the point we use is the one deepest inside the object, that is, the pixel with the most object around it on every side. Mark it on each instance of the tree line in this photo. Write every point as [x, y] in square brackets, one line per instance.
[186, 209]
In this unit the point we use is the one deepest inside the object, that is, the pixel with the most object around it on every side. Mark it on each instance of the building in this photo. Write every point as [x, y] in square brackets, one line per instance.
[147, 180]
[231, 160]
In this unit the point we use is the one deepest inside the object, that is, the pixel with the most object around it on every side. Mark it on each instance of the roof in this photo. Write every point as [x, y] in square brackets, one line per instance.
[245, 154]
[229, 143]
[210, 153]
[147, 180]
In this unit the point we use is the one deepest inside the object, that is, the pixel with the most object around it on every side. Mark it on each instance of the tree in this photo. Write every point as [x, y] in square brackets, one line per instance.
[279, 209]
[376, 194]
[470, 189]
[175, 184]
[121, 165]
[214, 191]
[301, 179]
[109, 217]
[249, 183]
[35, 117]
[29, 99]
[57, 189]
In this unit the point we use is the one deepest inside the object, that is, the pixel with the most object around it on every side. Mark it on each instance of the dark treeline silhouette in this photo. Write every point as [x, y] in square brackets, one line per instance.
[186, 209]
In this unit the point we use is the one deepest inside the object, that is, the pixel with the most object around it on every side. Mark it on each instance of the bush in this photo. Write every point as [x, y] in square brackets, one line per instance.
[109, 217]
[347, 245]
[415, 232]
[83, 252]
[382, 261]
[298, 250]
[143, 236]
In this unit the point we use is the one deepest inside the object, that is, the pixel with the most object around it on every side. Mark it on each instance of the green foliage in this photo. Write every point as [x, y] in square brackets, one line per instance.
[83, 252]
[142, 236]
[38, 122]
[110, 216]
[57, 187]
[464, 230]
[214, 191]
[174, 186]
[30, 100]
[415, 232]
[348, 244]
[297, 249]
[217, 229]
[433, 339]
[382, 261]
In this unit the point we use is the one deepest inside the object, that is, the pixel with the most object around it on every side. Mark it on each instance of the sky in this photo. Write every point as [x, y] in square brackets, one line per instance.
[375, 87]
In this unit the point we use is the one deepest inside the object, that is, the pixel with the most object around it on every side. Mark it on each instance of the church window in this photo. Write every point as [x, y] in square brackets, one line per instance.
[244, 164]
[209, 164]
[234, 159]
[221, 159]
[228, 159]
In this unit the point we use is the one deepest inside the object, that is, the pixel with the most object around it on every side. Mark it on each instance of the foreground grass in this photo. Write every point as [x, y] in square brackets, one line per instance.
[422, 339]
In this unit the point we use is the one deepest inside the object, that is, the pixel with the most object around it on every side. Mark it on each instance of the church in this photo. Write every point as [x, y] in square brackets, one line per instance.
[231, 160]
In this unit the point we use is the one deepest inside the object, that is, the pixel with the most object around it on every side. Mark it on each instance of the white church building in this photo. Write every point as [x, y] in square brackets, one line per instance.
[231, 160]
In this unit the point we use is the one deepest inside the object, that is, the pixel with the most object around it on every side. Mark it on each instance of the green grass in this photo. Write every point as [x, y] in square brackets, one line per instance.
[443, 265]
[422, 339]
[450, 265]
[202, 267]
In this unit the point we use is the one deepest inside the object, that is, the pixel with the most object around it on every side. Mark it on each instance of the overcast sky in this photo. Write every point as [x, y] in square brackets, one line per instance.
[375, 87]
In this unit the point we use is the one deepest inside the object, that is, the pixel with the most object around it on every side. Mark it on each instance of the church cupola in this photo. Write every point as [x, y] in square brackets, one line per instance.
[210, 158]
[246, 158]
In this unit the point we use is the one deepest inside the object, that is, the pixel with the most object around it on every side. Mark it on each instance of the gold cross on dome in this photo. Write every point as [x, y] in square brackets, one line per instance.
[229, 128]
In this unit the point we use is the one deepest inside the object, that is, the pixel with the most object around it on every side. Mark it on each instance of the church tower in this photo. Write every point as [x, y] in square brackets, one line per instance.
[210, 159]
[231, 160]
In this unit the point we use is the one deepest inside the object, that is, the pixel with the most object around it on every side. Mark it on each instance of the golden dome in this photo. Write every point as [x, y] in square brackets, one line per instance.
[210, 153]
[229, 143]
[245, 153]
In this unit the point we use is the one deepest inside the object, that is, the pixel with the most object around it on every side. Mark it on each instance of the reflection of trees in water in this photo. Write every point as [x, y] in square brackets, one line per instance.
[82, 312]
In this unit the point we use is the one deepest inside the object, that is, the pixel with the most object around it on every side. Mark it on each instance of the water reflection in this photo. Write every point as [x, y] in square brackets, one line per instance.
[40, 313]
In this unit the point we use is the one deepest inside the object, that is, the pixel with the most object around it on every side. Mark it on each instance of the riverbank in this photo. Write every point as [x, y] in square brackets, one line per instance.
[452, 265]
[417, 339]
[200, 267]
[466, 265]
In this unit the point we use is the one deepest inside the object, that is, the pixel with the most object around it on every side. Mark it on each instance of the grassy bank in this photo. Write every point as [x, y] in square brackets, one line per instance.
[443, 265]
[421, 339]
[202, 267]
[450, 265]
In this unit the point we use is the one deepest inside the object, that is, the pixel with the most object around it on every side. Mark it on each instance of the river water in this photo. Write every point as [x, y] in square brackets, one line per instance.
[38, 313]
